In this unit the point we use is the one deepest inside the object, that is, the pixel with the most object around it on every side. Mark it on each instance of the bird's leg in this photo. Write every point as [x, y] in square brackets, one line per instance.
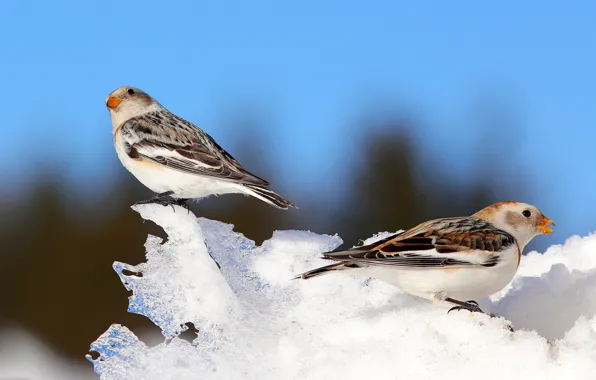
[164, 194]
[471, 306]
[157, 198]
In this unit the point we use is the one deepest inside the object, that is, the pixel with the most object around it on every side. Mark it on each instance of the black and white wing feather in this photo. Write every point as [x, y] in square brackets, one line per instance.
[169, 140]
[444, 242]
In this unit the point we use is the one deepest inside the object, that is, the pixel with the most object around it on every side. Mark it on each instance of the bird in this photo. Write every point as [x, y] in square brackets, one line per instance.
[454, 260]
[174, 158]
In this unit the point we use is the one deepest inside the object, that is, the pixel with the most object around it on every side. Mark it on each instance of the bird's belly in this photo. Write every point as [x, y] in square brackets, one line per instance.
[460, 283]
[161, 179]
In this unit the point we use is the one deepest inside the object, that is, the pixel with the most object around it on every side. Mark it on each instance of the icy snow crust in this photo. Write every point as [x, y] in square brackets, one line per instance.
[256, 323]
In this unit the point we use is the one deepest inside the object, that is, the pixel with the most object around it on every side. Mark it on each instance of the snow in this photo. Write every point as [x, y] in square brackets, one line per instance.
[254, 322]
[196, 291]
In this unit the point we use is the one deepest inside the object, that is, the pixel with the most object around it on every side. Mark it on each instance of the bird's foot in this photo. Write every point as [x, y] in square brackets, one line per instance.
[182, 202]
[161, 200]
[471, 306]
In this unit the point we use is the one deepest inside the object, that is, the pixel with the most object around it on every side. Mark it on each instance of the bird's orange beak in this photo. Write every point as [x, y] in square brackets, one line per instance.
[113, 102]
[543, 225]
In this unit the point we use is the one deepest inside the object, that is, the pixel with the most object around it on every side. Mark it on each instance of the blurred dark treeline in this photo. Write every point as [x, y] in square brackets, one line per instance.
[56, 274]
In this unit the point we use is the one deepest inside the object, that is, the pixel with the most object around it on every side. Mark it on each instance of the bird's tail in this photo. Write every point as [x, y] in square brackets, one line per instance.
[324, 270]
[269, 196]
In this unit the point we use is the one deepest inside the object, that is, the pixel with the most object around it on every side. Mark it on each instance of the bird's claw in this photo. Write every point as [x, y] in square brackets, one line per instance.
[470, 306]
[182, 203]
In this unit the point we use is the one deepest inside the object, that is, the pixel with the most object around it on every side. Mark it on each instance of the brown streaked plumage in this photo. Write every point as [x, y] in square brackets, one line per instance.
[488, 210]
[467, 235]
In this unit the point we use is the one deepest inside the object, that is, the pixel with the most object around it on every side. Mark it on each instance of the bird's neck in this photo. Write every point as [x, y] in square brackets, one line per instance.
[522, 236]
[129, 111]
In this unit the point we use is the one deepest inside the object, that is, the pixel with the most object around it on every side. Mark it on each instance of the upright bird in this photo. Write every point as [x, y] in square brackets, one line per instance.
[451, 259]
[175, 158]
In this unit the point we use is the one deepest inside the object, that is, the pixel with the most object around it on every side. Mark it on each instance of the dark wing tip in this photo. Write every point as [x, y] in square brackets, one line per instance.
[270, 197]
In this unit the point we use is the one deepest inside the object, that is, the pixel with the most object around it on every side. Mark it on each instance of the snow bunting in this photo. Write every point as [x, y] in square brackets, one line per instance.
[175, 158]
[451, 259]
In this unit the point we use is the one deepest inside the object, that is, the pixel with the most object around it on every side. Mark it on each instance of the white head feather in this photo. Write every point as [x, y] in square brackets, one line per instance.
[521, 220]
[127, 102]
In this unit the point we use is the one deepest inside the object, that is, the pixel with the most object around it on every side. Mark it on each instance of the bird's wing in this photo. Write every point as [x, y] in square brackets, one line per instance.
[173, 142]
[438, 243]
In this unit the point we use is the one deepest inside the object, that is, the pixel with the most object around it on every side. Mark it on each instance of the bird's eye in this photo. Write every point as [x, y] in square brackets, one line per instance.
[131, 91]
[526, 213]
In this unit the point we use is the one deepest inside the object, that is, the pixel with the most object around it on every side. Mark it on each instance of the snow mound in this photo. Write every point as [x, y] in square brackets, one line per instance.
[180, 282]
[254, 322]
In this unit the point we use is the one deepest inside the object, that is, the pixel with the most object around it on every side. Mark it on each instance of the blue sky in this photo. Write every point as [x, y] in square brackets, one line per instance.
[311, 69]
